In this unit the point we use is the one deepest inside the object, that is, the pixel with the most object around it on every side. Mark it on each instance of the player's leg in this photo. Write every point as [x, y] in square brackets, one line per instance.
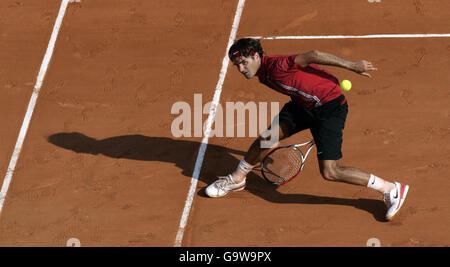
[394, 194]
[327, 132]
[290, 121]
[236, 181]
[332, 171]
[260, 148]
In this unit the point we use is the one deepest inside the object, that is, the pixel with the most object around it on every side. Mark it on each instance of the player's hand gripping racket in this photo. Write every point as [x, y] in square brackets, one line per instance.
[284, 163]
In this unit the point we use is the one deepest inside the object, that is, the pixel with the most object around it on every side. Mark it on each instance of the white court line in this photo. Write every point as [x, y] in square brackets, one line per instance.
[212, 114]
[32, 104]
[371, 36]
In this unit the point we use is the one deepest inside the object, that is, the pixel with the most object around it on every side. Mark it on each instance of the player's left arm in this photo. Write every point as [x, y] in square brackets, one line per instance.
[319, 57]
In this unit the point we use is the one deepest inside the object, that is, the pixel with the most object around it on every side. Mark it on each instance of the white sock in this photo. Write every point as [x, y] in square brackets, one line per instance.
[379, 184]
[241, 171]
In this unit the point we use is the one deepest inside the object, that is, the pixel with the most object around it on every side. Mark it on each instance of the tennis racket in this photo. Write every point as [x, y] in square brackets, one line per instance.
[284, 163]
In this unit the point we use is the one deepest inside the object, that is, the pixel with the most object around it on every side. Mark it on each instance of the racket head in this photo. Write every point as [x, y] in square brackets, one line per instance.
[282, 165]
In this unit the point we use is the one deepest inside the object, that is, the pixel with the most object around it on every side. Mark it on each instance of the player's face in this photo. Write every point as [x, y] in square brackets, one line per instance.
[248, 66]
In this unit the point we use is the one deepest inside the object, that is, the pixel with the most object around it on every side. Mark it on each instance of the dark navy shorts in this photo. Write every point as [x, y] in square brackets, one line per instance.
[326, 124]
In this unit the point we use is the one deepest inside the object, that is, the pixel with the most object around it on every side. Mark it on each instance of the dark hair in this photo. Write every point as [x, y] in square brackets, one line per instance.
[245, 47]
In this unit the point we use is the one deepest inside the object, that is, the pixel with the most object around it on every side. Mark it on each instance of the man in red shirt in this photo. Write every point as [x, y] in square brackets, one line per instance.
[317, 103]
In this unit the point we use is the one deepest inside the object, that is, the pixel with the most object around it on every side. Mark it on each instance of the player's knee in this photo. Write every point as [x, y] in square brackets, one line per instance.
[330, 173]
[273, 134]
[268, 140]
[265, 135]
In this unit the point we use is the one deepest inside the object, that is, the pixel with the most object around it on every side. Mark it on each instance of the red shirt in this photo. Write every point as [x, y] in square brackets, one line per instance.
[310, 87]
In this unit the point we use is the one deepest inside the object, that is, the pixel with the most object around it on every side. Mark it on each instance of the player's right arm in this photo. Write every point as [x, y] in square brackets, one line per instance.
[319, 57]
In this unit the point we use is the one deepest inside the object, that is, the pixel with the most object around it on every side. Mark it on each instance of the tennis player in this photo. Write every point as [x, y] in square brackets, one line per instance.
[317, 103]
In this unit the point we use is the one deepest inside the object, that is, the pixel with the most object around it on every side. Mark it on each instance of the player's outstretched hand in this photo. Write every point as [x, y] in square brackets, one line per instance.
[362, 67]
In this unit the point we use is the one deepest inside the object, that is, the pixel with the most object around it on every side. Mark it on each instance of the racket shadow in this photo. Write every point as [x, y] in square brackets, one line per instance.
[257, 186]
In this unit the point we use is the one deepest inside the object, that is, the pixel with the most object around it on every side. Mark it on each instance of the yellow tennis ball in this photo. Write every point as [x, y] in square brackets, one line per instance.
[346, 85]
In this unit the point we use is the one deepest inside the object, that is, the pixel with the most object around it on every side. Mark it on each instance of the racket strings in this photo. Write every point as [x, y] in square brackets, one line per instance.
[282, 165]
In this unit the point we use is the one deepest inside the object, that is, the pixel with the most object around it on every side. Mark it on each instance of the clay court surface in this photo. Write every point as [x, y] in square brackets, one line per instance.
[99, 162]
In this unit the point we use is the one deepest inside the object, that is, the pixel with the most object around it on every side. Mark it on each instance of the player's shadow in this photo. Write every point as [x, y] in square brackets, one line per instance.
[261, 188]
[218, 160]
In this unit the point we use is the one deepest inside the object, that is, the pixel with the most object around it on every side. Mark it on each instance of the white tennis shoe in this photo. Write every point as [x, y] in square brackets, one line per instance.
[395, 199]
[223, 185]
